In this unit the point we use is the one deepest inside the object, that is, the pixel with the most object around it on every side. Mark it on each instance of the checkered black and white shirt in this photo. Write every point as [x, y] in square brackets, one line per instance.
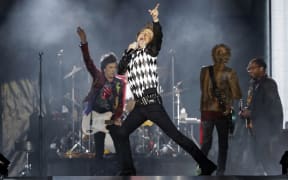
[141, 65]
[142, 72]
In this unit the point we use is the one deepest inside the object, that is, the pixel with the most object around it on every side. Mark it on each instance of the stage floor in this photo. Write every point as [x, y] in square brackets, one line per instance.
[145, 166]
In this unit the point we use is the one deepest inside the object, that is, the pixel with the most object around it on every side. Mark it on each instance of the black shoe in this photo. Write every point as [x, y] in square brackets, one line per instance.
[207, 169]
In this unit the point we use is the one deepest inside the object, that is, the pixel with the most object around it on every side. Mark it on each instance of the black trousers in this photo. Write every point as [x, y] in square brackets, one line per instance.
[99, 139]
[157, 114]
[222, 126]
[267, 150]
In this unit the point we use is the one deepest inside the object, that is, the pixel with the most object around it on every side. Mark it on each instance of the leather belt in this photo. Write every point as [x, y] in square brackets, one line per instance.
[154, 98]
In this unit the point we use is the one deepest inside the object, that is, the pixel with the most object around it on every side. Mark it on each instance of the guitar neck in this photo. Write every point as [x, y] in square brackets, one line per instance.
[247, 120]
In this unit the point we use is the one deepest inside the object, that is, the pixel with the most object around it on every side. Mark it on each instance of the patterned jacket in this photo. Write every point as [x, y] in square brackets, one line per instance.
[226, 82]
[116, 102]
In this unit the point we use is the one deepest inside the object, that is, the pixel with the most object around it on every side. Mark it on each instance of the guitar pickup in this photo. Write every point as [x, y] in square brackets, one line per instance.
[109, 122]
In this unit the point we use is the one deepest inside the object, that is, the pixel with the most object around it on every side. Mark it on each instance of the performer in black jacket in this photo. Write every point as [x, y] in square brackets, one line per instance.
[266, 117]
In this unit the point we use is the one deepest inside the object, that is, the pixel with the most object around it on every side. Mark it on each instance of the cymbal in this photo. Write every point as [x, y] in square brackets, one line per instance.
[25, 146]
[170, 93]
[192, 120]
[74, 70]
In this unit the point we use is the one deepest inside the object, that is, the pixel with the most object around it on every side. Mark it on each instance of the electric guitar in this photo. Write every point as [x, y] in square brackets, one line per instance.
[220, 98]
[217, 93]
[229, 113]
[248, 121]
[95, 122]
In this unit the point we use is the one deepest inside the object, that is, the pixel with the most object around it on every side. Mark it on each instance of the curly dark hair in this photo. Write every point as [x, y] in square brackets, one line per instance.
[107, 59]
[216, 53]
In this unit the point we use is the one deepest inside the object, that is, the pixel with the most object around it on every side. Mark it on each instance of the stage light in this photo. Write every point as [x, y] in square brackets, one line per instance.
[279, 53]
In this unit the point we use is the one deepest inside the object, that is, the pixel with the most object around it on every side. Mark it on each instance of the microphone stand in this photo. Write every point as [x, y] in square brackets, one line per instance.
[59, 82]
[40, 128]
[173, 82]
[175, 92]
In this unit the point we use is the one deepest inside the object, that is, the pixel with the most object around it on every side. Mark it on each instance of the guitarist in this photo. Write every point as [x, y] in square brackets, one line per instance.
[219, 87]
[106, 93]
[266, 114]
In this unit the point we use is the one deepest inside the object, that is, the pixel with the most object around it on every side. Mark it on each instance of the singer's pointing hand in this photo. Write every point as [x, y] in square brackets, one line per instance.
[154, 13]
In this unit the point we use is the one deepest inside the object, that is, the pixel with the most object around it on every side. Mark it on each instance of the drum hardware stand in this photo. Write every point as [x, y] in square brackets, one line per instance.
[177, 94]
[72, 75]
[192, 129]
[78, 143]
[40, 119]
[173, 81]
[28, 148]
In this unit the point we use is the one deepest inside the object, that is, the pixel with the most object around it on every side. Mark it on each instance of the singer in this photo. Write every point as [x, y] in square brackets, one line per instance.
[140, 61]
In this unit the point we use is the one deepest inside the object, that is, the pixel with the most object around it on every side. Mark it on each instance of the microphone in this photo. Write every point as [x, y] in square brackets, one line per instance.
[179, 83]
[60, 52]
[171, 51]
[136, 44]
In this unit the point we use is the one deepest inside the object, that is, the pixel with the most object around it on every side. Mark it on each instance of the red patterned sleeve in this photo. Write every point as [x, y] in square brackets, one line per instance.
[93, 70]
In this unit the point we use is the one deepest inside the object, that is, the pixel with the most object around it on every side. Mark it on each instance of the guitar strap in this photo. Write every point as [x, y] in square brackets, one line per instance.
[214, 88]
[250, 93]
[211, 73]
[116, 92]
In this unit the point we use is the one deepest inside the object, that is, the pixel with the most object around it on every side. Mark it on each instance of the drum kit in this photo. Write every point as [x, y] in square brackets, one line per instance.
[148, 139]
